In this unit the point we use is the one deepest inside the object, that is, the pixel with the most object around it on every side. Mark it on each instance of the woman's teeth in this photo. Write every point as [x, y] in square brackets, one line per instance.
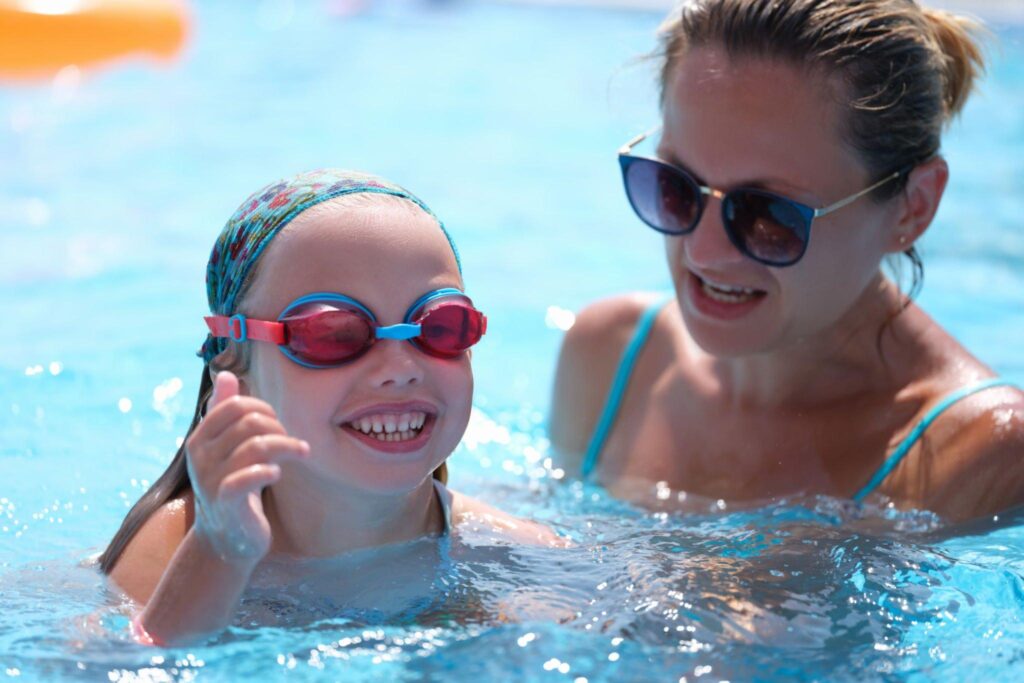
[727, 294]
[390, 427]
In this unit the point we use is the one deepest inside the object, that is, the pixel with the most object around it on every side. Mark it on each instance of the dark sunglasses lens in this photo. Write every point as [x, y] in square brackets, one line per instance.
[328, 337]
[662, 197]
[767, 228]
[448, 329]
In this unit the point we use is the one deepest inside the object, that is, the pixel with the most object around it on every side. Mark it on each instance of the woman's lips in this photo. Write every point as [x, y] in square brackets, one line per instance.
[721, 301]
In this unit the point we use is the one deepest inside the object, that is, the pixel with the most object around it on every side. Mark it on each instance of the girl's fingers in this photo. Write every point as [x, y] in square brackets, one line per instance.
[225, 385]
[260, 449]
[219, 448]
[228, 411]
[240, 483]
[267, 448]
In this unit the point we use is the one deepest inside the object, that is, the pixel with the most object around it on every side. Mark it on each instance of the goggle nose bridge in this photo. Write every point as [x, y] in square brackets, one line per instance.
[399, 331]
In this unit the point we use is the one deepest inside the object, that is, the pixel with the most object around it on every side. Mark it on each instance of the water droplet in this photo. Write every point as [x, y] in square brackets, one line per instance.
[558, 318]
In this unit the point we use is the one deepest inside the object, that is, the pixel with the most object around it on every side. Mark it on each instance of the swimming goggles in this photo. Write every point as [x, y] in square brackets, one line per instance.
[325, 330]
[767, 227]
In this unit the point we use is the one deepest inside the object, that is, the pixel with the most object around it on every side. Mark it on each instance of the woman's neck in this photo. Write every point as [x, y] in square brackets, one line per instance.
[850, 357]
[311, 519]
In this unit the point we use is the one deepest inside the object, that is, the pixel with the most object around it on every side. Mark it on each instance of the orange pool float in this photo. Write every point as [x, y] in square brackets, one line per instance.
[39, 37]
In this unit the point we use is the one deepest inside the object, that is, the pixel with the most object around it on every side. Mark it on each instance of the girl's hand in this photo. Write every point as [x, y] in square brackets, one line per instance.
[232, 455]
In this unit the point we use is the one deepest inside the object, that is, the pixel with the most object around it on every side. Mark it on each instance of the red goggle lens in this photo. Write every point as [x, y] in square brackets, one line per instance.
[449, 328]
[330, 337]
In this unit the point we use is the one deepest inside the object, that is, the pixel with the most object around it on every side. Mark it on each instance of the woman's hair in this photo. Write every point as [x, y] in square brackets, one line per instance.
[233, 356]
[905, 70]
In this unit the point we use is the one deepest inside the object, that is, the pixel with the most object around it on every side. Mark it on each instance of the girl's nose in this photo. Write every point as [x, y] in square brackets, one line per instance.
[708, 246]
[396, 363]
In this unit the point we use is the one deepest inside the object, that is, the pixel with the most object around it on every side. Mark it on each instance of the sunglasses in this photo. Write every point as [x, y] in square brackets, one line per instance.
[324, 330]
[767, 227]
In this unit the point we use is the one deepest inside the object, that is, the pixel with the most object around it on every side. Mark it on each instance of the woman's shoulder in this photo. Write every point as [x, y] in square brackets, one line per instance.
[608, 324]
[142, 563]
[972, 455]
[590, 356]
[467, 510]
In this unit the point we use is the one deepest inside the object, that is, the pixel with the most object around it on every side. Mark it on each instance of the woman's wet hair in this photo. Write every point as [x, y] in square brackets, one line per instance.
[175, 482]
[904, 71]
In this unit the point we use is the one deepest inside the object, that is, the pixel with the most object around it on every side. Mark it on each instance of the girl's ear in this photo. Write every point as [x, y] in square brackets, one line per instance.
[920, 200]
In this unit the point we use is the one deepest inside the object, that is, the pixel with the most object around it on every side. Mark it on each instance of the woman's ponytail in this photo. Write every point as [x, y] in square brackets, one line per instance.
[956, 37]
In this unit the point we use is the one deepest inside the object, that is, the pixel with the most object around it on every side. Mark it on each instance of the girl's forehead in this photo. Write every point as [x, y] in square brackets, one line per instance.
[382, 252]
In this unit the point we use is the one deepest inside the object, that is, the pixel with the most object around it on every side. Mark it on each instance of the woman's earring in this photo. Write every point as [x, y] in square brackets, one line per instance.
[903, 239]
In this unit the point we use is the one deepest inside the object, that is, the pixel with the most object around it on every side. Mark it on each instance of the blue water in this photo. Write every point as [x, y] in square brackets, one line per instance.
[113, 184]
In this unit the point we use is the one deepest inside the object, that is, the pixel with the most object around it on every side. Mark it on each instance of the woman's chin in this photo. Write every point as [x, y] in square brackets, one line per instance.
[727, 341]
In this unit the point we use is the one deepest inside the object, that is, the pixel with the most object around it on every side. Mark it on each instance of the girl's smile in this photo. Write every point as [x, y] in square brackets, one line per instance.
[392, 427]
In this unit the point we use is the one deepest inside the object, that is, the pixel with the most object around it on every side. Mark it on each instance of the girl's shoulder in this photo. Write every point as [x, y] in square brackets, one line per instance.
[486, 518]
[142, 563]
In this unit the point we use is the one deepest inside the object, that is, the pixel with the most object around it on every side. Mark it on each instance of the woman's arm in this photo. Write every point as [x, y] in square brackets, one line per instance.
[466, 510]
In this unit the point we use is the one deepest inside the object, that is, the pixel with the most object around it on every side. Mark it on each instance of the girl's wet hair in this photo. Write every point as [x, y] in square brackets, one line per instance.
[904, 70]
[230, 272]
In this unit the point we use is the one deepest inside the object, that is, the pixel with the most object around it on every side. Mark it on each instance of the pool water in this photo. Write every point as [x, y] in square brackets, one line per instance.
[505, 119]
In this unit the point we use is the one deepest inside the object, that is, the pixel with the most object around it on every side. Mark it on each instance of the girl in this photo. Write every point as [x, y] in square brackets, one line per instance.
[336, 381]
[798, 148]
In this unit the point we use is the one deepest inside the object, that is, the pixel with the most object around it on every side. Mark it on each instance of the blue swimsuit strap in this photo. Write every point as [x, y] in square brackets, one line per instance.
[901, 451]
[618, 390]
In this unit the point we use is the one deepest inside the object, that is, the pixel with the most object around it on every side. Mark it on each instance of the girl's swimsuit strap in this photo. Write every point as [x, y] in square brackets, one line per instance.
[893, 460]
[618, 389]
[444, 497]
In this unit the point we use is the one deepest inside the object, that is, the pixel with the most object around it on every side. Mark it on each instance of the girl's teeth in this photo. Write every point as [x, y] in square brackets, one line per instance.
[391, 427]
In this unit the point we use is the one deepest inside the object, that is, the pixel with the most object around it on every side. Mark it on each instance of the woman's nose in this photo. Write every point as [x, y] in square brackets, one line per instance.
[708, 246]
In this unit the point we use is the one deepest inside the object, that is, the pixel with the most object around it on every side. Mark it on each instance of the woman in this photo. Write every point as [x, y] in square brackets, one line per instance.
[788, 363]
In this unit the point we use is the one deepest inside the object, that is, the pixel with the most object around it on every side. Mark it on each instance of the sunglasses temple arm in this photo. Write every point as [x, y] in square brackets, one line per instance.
[628, 147]
[852, 198]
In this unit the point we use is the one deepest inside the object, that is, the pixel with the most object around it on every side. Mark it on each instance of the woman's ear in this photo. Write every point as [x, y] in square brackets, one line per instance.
[919, 202]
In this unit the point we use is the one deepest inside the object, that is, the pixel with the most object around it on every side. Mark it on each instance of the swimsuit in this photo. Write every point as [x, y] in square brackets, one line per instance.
[636, 344]
[444, 497]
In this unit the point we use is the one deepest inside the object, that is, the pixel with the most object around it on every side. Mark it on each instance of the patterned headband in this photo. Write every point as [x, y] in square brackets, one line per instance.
[263, 215]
